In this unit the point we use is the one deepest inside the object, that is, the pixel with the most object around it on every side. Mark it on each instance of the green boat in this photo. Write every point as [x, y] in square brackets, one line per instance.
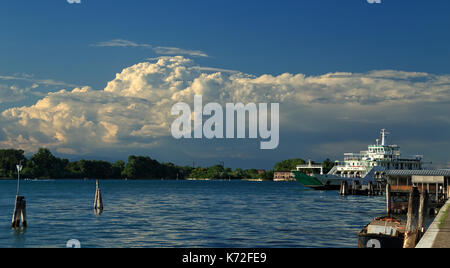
[318, 181]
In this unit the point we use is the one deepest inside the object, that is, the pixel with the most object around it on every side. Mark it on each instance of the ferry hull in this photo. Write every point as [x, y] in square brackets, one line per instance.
[318, 182]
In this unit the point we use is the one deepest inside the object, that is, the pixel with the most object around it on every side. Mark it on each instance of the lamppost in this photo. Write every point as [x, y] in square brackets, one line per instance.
[19, 169]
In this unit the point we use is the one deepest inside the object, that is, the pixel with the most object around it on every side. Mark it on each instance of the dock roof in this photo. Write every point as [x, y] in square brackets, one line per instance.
[424, 172]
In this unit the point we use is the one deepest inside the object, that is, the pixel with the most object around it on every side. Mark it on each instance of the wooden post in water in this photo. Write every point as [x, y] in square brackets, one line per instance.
[370, 189]
[380, 188]
[412, 224]
[355, 187]
[20, 207]
[388, 200]
[98, 202]
[16, 214]
[423, 211]
[344, 188]
[20, 213]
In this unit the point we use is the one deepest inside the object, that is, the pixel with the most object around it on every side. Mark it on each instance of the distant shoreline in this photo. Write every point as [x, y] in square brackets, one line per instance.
[190, 179]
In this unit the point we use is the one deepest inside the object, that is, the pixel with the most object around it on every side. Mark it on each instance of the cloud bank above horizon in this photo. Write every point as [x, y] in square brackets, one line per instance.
[133, 110]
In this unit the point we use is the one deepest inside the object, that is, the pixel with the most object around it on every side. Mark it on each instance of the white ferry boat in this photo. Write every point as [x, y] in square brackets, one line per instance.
[367, 166]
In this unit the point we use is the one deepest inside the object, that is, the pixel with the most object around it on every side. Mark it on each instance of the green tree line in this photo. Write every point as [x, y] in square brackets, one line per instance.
[44, 165]
[220, 172]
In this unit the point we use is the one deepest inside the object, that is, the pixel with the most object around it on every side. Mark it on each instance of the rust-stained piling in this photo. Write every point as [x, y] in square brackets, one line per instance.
[412, 224]
[98, 202]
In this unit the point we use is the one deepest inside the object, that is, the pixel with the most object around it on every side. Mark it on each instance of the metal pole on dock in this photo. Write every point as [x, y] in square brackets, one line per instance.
[412, 224]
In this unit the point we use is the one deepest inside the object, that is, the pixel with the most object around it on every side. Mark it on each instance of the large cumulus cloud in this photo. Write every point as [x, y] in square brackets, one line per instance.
[133, 111]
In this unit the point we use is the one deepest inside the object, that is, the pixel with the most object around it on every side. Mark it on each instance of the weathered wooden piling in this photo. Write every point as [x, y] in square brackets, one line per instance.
[98, 202]
[370, 190]
[423, 211]
[388, 199]
[20, 207]
[355, 187]
[20, 213]
[344, 188]
[412, 224]
[380, 188]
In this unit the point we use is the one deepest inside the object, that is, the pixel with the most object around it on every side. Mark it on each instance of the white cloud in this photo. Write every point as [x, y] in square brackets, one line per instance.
[74, 1]
[36, 82]
[168, 51]
[179, 51]
[120, 43]
[133, 111]
[10, 93]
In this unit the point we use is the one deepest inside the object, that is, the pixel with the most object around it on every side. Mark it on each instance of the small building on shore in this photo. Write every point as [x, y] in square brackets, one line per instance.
[283, 176]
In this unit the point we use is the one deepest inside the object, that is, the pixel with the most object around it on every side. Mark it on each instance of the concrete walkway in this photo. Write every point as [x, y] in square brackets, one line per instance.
[437, 235]
[443, 237]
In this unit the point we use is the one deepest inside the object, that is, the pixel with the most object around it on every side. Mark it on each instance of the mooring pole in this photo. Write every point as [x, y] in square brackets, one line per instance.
[388, 200]
[423, 211]
[354, 187]
[98, 202]
[24, 212]
[344, 188]
[15, 223]
[412, 224]
[370, 190]
[19, 169]
[20, 205]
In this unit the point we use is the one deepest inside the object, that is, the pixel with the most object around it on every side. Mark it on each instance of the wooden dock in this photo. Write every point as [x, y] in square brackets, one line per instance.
[355, 188]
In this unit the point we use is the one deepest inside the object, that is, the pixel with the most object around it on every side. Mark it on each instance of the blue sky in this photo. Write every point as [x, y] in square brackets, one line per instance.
[58, 45]
[52, 38]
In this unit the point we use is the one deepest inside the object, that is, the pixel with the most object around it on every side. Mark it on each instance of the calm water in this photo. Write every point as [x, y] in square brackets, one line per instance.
[185, 214]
